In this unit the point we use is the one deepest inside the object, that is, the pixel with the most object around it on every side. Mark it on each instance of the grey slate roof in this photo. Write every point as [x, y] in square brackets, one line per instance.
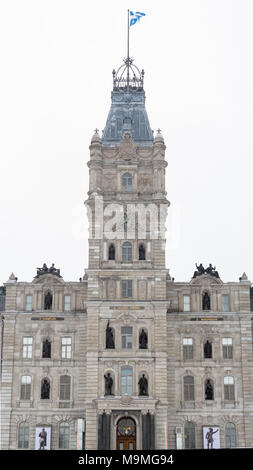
[127, 114]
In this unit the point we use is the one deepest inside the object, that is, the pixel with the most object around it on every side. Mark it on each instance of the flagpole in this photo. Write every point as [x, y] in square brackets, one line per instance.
[127, 48]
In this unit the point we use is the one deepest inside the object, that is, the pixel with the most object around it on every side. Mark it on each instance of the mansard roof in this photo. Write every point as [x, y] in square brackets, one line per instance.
[128, 112]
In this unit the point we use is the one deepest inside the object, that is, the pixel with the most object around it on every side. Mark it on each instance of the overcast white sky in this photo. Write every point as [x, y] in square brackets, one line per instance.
[56, 61]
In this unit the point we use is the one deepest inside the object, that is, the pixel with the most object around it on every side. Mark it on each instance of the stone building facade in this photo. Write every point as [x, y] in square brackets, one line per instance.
[127, 357]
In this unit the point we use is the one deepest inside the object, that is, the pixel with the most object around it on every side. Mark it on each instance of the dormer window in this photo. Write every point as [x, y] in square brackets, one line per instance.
[127, 182]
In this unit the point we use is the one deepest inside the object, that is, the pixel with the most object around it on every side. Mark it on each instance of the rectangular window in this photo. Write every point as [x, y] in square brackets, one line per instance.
[229, 389]
[187, 303]
[66, 348]
[25, 392]
[187, 348]
[67, 303]
[225, 303]
[23, 436]
[65, 387]
[227, 347]
[126, 380]
[27, 348]
[126, 337]
[126, 288]
[28, 303]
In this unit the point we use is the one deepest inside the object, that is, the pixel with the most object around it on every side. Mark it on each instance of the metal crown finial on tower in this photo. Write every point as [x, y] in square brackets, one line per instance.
[128, 75]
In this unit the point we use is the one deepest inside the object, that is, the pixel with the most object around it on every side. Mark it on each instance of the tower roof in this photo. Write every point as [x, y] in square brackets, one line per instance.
[128, 112]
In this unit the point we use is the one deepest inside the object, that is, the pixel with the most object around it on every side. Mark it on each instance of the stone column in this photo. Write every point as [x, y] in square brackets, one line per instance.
[104, 431]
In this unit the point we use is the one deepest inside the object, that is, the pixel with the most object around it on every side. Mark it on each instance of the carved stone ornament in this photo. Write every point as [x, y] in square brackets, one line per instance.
[127, 147]
[126, 400]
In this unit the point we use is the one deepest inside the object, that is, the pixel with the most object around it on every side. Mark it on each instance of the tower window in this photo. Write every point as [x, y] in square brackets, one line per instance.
[65, 382]
[28, 304]
[187, 348]
[25, 392]
[225, 303]
[229, 388]
[227, 348]
[127, 251]
[187, 303]
[66, 348]
[188, 388]
[64, 435]
[127, 182]
[126, 337]
[126, 380]
[127, 289]
[27, 348]
[230, 435]
[23, 435]
[67, 303]
[189, 435]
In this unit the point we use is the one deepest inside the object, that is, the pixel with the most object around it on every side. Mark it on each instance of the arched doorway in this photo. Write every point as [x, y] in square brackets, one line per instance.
[126, 434]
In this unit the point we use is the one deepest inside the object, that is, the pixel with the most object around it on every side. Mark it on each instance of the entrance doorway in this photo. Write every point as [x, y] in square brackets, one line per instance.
[126, 434]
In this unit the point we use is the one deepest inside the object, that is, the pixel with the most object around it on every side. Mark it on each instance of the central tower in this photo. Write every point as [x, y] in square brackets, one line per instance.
[126, 305]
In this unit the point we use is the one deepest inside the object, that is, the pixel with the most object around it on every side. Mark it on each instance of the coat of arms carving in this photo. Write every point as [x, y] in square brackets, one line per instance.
[127, 147]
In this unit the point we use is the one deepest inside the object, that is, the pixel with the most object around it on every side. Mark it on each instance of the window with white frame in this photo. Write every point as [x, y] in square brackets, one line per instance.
[187, 303]
[126, 380]
[227, 348]
[25, 390]
[229, 388]
[126, 337]
[127, 288]
[27, 348]
[127, 251]
[66, 348]
[127, 182]
[187, 348]
[28, 302]
[225, 303]
[67, 303]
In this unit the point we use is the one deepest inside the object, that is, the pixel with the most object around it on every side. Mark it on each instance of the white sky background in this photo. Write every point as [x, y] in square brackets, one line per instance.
[56, 60]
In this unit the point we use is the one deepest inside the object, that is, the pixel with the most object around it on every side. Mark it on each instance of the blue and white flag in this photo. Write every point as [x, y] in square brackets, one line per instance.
[134, 17]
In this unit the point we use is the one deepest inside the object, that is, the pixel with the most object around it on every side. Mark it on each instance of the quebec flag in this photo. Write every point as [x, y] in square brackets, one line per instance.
[134, 17]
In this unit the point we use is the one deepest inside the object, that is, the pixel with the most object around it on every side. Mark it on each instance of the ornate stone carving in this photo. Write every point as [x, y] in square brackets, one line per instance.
[127, 148]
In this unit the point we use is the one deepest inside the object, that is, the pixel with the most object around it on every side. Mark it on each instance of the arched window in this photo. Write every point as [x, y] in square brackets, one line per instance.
[46, 349]
[65, 382]
[25, 390]
[64, 435]
[206, 303]
[126, 380]
[127, 251]
[111, 252]
[209, 390]
[127, 182]
[23, 436]
[189, 435]
[208, 350]
[142, 252]
[230, 435]
[229, 388]
[45, 389]
[188, 388]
